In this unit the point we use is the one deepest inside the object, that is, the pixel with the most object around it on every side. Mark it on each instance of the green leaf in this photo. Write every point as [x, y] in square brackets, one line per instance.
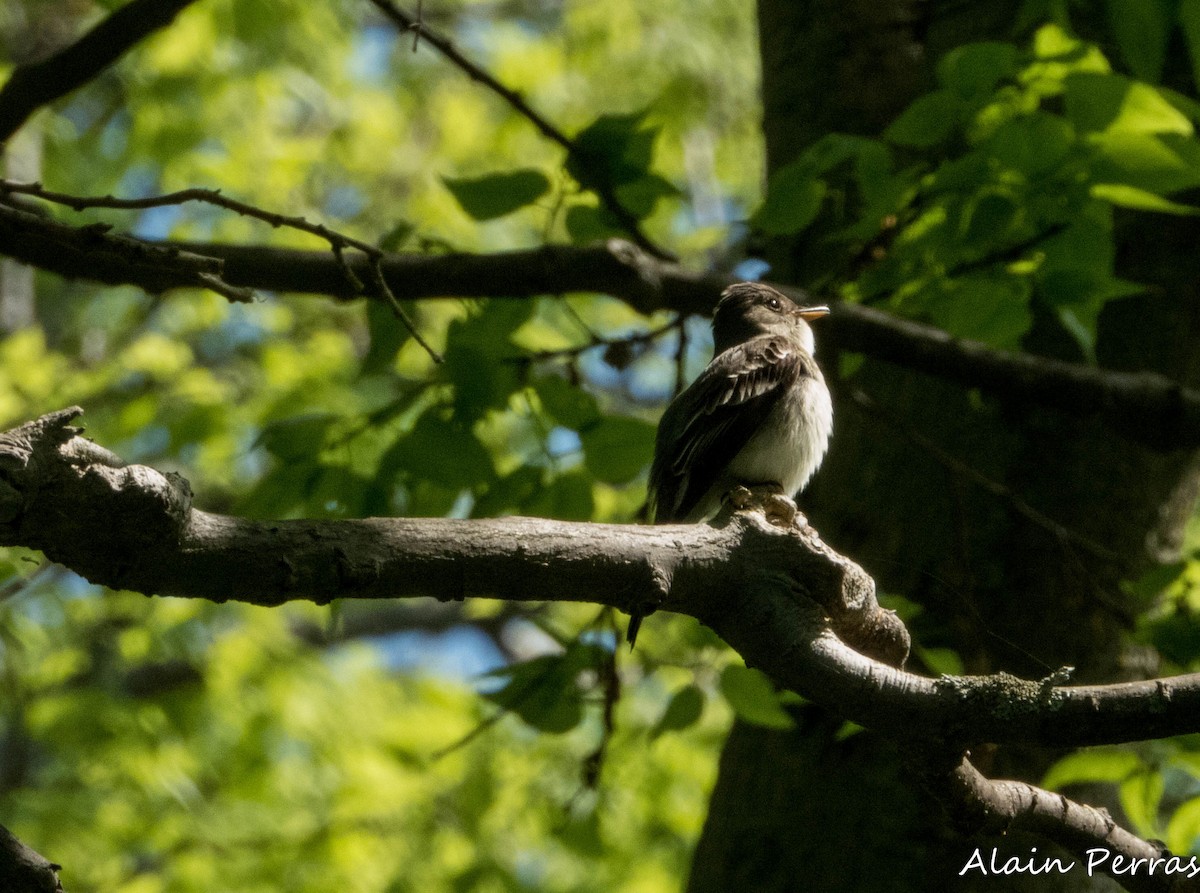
[1033, 144]
[424, 498]
[543, 692]
[481, 380]
[439, 450]
[568, 404]
[640, 196]
[510, 493]
[387, 336]
[494, 195]
[881, 188]
[298, 438]
[833, 149]
[793, 201]
[1184, 827]
[582, 833]
[337, 491]
[479, 356]
[976, 68]
[1087, 244]
[943, 661]
[280, 493]
[489, 327]
[567, 497]
[1140, 796]
[613, 150]
[1058, 54]
[1108, 102]
[928, 121]
[848, 730]
[1140, 199]
[1162, 163]
[1154, 581]
[991, 309]
[683, 710]
[1078, 294]
[587, 224]
[1092, 765]
[753, 697]
[1176, 636]
[1141, 35]
[395, 238]
[990, 218]
[617, 448]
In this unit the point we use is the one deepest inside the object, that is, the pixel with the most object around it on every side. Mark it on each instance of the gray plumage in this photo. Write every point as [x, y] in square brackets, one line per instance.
[759, 413]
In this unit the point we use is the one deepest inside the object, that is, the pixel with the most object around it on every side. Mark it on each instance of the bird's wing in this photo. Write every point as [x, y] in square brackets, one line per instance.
[709, 423]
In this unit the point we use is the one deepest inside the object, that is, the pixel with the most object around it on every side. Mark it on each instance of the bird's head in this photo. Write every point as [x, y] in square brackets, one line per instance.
[747, 309]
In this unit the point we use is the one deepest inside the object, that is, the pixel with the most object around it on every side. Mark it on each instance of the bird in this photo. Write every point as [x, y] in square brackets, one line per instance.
[759, 414]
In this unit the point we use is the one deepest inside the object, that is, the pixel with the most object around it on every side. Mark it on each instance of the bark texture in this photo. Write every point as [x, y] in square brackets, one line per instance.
[1007, 593]
[766, 583]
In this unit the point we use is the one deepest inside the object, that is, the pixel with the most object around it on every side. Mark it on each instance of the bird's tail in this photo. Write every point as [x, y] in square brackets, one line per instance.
[636, 616]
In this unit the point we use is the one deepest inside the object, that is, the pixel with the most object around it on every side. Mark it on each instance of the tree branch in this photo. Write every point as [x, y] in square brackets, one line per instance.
[35, 85]
[797, 602]
[1146, 407]
[24, 871]
[597, 182]
[338, 242]
[979, 804]
[797, 605]
[98, 255]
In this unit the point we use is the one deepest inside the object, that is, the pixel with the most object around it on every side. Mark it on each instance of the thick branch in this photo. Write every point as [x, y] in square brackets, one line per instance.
[95, 254]
[24, 871]
[33, 86]
[1146, 407]
[779, 596]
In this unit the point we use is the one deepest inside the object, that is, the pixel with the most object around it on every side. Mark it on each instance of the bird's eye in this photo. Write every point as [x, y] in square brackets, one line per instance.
[774, 304]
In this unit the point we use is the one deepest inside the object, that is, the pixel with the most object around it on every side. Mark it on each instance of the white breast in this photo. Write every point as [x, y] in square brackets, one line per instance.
[793, 439]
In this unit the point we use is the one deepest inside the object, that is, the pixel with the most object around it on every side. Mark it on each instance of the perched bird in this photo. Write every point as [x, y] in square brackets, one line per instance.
[759, 414]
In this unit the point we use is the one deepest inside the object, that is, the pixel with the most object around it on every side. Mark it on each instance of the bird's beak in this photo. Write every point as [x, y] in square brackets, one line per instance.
[811, 313]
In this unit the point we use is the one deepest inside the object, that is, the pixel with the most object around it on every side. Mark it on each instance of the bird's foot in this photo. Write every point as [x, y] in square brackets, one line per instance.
[741, 498]
[778, 508]
[782, 512]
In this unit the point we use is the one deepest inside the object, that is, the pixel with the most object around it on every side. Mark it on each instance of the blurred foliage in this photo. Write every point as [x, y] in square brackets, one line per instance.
[171, 745]
[163, 745]
[997, 189]
[154, 744]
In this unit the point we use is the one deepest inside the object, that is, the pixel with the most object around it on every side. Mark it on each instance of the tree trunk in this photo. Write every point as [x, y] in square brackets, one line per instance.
[805, 810]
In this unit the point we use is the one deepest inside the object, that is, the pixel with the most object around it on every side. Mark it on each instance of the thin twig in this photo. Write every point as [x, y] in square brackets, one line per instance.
[610, 682]
[182, 196]
[338, 241]
[598, 183]
[600, 341]
[381, 284]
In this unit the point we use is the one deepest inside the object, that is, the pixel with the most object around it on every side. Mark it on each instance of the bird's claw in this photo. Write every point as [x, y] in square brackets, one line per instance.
[781, 511]
[741, 498]
[778, 508]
